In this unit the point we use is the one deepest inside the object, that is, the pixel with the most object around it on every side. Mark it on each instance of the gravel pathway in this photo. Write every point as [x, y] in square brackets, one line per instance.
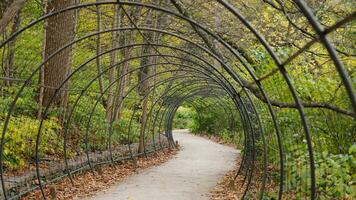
[190, 175]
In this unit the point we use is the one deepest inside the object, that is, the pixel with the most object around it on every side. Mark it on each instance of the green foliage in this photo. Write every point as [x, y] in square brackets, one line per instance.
[183, 117]
[214, 120]
[209, 121]
[20, 140]
[335, 175]
[231, 137]
[24, 105]
[98, 126]
[120, 129]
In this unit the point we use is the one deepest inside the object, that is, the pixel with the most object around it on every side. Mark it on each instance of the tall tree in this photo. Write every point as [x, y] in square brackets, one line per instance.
[143, 75]
[153, 19]
[125, 39]
[113, 59]
[60, 31]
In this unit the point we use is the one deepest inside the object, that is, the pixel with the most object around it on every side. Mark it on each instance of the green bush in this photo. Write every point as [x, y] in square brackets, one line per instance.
[209, 121]
[183, 118]
[20, 140]
[335, 175]
[120, 131]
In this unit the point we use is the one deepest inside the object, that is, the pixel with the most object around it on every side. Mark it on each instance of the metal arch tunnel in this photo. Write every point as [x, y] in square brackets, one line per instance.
[186, 75]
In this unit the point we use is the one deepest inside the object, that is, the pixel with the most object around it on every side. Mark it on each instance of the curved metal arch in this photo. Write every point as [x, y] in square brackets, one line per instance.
[193, 68]
[272, 118]
[152, 106]
[291, 88]
[176, 64]
[68, 171]
[60, 87]
[176, 104]
[153, 120]
[120, 103]
[162, 97]
[73, 42]
[160, 107]
[160, 9]
[265, 153]
[271, 110]
[219, 102]
[167, 63]
[168, 110]
[157, 83]
[196, 88]
[83, 90]
[341, 70]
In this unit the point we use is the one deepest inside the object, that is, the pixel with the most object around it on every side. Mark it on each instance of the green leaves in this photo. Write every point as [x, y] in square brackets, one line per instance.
[20, 140]
[352, 149]
[334, 175]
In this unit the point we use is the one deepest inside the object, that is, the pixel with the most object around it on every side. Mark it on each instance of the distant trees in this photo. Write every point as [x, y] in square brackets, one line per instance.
[9, 13]
[9, 9]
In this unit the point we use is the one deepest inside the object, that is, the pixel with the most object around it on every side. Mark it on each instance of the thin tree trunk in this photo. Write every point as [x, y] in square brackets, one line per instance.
[98, 47]
[9, 10]
[3, 62]
[113, 60]
[41, 75]
[11, 63]
[142, 75]
[124, 81]
[142, 142]
[126, 53]
[9, 59]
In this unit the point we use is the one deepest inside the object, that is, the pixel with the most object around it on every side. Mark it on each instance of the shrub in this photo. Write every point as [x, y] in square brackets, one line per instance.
[20, 140]
[335, 175]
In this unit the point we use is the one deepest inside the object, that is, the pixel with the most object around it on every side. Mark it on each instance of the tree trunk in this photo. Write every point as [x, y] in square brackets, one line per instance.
[113, 60]
[9, 9]
[9, 12]
[143, 73]
[59, 32]
[125, 67]
[141, 147]
[98, 48]
[9, 60]
[124, 81]
[41, 74]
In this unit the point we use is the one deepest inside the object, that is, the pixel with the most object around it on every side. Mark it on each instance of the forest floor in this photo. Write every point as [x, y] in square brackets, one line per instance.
[227, 189]
[89, 183]
[191, 174]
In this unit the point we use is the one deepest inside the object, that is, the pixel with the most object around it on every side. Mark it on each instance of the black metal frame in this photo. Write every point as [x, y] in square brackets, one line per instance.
[199, 74]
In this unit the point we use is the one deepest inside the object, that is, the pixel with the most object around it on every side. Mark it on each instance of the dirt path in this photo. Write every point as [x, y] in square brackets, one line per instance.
[191, 175]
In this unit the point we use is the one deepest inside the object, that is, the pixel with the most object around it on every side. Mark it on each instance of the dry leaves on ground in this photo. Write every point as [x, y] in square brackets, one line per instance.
[89, 183]
[227, 188]
[230, 189]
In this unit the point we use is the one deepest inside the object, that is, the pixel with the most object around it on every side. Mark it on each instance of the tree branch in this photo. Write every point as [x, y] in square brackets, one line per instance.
[251, 87]
[323, 105]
